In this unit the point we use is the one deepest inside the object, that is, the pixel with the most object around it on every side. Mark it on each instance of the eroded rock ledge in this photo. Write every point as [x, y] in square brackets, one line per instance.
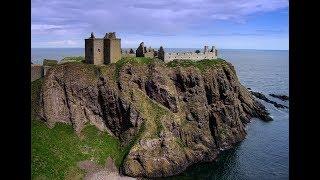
[170, 117]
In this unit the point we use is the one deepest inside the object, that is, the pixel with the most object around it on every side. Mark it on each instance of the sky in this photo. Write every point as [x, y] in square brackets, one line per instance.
[226, 24]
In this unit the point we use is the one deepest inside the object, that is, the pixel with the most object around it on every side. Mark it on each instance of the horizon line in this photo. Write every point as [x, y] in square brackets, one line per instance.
[164, 48]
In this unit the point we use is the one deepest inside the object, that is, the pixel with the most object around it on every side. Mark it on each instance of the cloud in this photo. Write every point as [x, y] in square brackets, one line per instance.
[63, 43]
[143, 16]
[71, 19]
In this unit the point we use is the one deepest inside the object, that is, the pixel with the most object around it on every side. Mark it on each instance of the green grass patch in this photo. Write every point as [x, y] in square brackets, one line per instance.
[79, 59]
[134, 61]
[158, 112]
[223, 132]
[56, 151]
[181, 144]
[152, 113]
[201, 65]
[127, 148]
[35, 93]
[49, 62]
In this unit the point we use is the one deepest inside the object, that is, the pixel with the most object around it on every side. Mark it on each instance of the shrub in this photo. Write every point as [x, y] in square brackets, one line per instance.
[49, 62]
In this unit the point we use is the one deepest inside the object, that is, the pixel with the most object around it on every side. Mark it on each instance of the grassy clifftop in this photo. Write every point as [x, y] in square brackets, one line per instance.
[201, 65]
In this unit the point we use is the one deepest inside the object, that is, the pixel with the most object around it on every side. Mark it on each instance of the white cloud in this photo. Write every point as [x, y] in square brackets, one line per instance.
[35, 27]
[144, 15]
[73, 19]
[63, 43]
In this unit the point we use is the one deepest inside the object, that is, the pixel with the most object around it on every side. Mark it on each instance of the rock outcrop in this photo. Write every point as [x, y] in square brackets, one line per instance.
[170, 117]
[280, 96]
[263, 97]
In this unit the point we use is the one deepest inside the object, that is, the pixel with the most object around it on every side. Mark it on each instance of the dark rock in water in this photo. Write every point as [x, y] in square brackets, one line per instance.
[263, 97]
[174, 116]
[281, 97]
[260, 96]
[249, 88]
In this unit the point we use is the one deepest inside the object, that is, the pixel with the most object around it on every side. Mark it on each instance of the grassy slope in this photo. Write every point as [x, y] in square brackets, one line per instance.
[79, 59]
[56, 151]
[201, 65]
[48, 62]
[132, 60]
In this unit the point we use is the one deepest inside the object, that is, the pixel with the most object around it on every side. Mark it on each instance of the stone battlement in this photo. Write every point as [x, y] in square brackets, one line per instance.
[212, 54]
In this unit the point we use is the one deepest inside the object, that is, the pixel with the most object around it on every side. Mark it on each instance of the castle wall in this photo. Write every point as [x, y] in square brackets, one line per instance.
[115, 50]
[189, 55]
[128, 55]
[36, 71]
[98, 51]
[89, 51]
[94, 51]
[149, 54]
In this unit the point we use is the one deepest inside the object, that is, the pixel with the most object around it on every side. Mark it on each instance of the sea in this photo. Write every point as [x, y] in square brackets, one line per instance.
[264, 153]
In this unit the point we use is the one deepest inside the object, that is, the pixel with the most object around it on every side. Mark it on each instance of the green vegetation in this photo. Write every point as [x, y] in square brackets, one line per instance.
[134, 140]
[158, 113]
[48, 62]
[181, 144]
[56, 151]
[132, 60]
[201, 65]
[152, 113]
[223, 132]
[35, 93]
[79, 59]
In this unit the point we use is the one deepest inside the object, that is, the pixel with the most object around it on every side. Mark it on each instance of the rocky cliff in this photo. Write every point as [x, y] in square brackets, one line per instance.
[170, 116]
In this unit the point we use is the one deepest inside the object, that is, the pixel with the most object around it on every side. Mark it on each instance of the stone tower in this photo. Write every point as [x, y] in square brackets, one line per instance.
[140, 50]
[161, 53]
[94, 50]
[105, 50]
[205, 49]
[112, 51]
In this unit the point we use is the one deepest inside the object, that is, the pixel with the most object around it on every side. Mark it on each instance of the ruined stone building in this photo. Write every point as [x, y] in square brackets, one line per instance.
[161, 53]
[143, 51]
[205, 54]
[130, 53]
[105, 50]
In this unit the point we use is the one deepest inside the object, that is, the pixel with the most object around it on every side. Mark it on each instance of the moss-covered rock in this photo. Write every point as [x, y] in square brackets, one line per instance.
[49, 62]
[78, 59]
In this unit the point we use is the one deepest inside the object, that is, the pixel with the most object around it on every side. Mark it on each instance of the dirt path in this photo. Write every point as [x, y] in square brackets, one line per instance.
[98, 172]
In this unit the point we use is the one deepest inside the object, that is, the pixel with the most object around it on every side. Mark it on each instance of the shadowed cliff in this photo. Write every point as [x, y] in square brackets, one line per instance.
[169, 116]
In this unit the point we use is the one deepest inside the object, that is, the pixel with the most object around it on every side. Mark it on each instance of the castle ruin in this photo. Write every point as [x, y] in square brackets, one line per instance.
[99, 51]
[143, 51]
[105, 50]
[206, 54]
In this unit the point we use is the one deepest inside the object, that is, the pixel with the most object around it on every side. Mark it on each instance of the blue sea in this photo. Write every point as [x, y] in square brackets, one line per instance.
[264, 154]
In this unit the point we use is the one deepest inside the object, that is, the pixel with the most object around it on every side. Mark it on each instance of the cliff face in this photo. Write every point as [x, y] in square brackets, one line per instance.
[169, 117]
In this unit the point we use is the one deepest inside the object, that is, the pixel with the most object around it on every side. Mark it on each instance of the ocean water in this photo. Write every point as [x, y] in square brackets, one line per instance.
[264, 154]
